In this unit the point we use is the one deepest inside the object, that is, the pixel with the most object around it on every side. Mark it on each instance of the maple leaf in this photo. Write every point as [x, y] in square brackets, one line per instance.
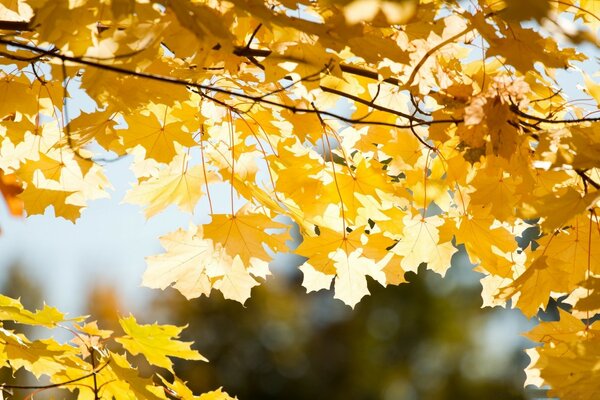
[179, 389]
[10, 188]
[585, 299]
[40, 357]
[195, 265]
[486, 245]
[574, 249]
[318, 248]
[593, 88]
[578, 146]
[38, 200]
[568, 358]
[567, 329]
[536, 283]
[157, 343]
[185, 264]
[121, 380]
[339, 258]
[94, 126]
[13, 310]
[497, 190]
[177, 184]
[420, 243]
[236, 282]
[525, 46]
[360, 187]
[558, 209]
[244, 233]
[156, 137]
[350, 278]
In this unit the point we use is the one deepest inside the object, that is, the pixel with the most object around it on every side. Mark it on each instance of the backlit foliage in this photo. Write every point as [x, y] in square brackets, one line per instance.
[89, 363]
[390, 132]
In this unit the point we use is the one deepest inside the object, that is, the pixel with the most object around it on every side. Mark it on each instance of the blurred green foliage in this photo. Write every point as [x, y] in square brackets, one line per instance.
[428, 339]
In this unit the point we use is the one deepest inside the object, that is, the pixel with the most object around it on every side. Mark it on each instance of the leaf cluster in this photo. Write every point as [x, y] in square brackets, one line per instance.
[91, 364]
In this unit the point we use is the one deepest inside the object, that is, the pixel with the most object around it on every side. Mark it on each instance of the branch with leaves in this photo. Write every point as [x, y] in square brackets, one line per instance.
[389, 132]
[89, 364]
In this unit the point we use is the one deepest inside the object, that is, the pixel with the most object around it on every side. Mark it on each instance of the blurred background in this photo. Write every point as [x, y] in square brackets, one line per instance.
[428, 339]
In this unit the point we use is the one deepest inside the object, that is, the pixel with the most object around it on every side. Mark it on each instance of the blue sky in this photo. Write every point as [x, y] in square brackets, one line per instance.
[106, 245]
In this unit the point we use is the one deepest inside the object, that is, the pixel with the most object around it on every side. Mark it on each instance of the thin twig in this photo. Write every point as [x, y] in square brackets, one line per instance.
[515, 110]
[56, 385]
[587, 179]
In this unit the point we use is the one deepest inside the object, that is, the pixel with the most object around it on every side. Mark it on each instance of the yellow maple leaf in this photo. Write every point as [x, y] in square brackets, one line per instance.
[195, 265]
[244, 234]
[566, 329]
[351, 276]
[559, 208]
[586, 298]
[120, 380]
[420, 244]
[495, 189]
[157, 343]
[333, 255]
[487, 245]
[593, 88]
[181, 391]
[185, 265]
[216, 395]
[178, 184]
[40, 357]
[12, 310]
[574, 249]
[99, 126]
[568, 358]
[361, 186]
[319, 247]
[236, 282]
[571, 370]
[157, 137]
[537, 282]
[578, 146]
[38, 200]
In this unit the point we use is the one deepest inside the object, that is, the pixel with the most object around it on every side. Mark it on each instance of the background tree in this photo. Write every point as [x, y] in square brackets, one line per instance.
[390, 132]
[408, 342]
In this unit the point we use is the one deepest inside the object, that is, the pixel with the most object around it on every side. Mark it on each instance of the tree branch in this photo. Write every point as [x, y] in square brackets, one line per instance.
[201, 87]
[587, 179]
[432, 51]
[349, 69]
[15, 25]
[515, 110]
[56, 385]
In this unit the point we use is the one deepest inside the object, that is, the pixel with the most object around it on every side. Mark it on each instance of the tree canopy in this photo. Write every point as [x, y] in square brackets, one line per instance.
[390, 132]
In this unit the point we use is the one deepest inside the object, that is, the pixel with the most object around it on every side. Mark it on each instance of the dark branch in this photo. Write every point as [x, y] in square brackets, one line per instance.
[15, 26]
[372, 104]
[236, 94]
[587, 179]
[432, 51]
[520, 113]
[56, 385]
[349, 69]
